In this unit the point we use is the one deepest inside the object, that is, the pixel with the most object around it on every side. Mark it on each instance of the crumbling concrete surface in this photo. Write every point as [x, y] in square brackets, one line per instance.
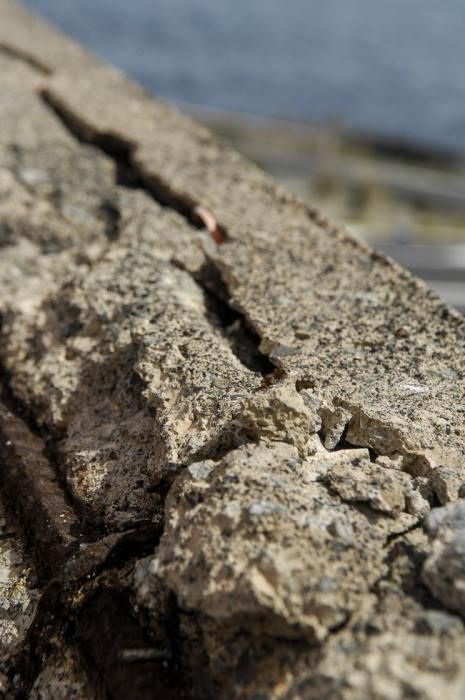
[231, 436]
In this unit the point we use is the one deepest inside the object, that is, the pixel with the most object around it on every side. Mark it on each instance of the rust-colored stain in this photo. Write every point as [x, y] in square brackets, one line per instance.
[214, 229]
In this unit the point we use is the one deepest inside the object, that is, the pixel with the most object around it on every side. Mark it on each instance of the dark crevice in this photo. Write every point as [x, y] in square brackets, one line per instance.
[394, 536]
[243, 341]
[25, 57]
[126, 176]
[128, 173]
[240, 336]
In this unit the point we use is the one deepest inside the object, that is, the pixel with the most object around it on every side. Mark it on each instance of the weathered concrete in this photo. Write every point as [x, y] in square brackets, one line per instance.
[188, 351]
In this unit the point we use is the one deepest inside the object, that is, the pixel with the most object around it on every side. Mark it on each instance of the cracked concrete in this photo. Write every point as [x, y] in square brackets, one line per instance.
[192, 348]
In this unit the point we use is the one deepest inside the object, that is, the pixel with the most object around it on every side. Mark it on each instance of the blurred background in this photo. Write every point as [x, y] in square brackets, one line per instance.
[356, 105]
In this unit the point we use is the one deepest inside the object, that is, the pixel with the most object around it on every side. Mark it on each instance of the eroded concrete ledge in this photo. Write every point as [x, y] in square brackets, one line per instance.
[232, 443]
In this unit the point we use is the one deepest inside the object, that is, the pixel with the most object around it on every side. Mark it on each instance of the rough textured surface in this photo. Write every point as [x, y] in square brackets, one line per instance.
[227, 428]
[261, 543]
[387, 357]
[444, 570]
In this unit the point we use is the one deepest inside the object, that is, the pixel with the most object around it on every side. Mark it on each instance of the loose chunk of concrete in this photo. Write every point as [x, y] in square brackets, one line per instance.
[361, 481]
[280, 415]
[260, 546]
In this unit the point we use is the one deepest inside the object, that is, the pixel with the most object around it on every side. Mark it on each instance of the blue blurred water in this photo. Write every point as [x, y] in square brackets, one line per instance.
[395, 67]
